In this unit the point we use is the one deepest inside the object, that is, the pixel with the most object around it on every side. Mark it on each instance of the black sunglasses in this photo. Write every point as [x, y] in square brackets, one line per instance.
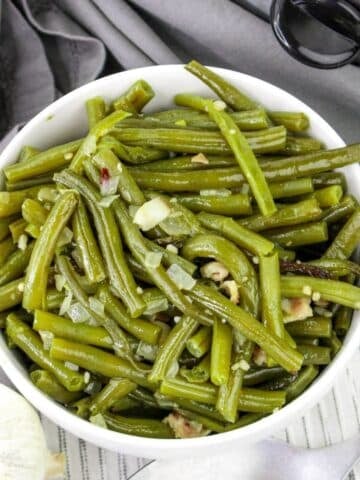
[319, 33]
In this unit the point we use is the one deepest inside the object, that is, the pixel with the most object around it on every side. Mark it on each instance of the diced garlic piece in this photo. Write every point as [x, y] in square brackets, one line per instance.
[231, 289]
[152, 213]
[296, 309]
[215, 271]
[183, 280]
[200, 158]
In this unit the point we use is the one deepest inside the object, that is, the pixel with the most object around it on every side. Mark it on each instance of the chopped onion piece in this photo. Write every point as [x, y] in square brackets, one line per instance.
[215, 271]
[219, 105]
[59, 282]
[182, 279]
[109, 186]
[200, 158]
[66, 303]
[107, 201]
[231, 289]
[86, 377]
[22, 242]
[156, 306]
[47, 338]
[78, 313]
[98, 420]
[65, 237]
[93, 387]
[173, 369]
[48, 194]
[221, 192]
[96, 306]
[172, 248]
[147, 351]
[71, 366]
[151, 213]
[153, 259]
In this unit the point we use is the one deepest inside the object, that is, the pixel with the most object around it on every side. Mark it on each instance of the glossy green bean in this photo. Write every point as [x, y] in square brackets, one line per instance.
[77, 332]
[275, 347]
[301, 145]
[27, 152]
[298, 235]
[221, 347]
[307, 341]
[241, 236]
[328, 179]
[15, 264]
[29, 342]
[330, 290]
[131, 155]
[305, 378]
[98, 361]
[172, 348]
[342, 320]
[10, 202]
[4, 226]
[207, 423]
[328, 196]
[40, 180]
[11, 294]
[42, 163]
[95, 110]
[259, 375]
[237, 204]
[135, 98]
[224, 251]
[320, 327]
[141, 329]
[198, 374]
[337, 267]
[141, 427]
[291, 188]
[244, 420]
[116, 389]
[293, 121]
[85, 240]
[17, 228]
[110, 242]
[338, 212]
[347, 239]
[188, 162]
[33, 212]
[7, 247]
[48, 384]
[334, 343]
[44, 249]
[200, 342]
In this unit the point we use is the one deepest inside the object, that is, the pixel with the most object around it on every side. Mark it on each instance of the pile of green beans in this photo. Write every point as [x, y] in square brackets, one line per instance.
[179, 273]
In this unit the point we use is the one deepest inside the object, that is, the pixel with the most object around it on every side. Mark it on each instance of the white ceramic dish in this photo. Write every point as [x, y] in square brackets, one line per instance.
[65, 120]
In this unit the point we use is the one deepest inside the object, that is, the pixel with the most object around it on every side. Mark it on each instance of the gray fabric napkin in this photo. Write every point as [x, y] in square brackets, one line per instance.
[49, 47]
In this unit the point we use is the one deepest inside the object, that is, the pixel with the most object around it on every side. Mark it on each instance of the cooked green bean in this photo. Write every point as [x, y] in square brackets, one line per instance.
[200, 343]
[116, 389]
[342, 320]
[44, 162]
[11, 294]
[337, 267]
[172, 348]
[141, 427]
[110, 243]
[17, 228]
[77, 332]
[98, 361]
[319, 327]
[27, 152]
[96, 110]
[338, 212]
[328, 179]
[207, 423]
[291, 188]
[259, 375]
[347, 239]
[11, 202]
[85, 240]
[330, 290]
[307, 341]
[305, 378]
[188, 162]
[132, 155]
[328, 196]
[7, 247]
[41, 181]
[293, 121]
[301, 145]
[198, 374]
[135, 98]
[334, 343]
[237, 204]
[33, 212]
[4, 226]
[15, 264]
[28, 341]
[47, 382]
[298, 235]
[220, 353]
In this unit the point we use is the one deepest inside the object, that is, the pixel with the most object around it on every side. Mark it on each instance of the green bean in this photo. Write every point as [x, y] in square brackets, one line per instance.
[281, 382]
[172, 348]
[120, 342]
[307, 341]
[119, 274]
[328, 196]
[220, 353]
[342, 320]
[291, 188]
[190, 405]
[198, 374]
[338, 212]
[85, 240]
[238, 204]
[347, 239]
[244, 420]
[286, 255]
[241, 236]
[17, 228]
[141, 329]
[270, 140]
[96, 110]
[127, 187]
[229, 392]
[4, 226]
[305, 378]
[135, 98]
[27, 152]
[99, 362]
[15, 264]
[259, 375]
[145, 397]
[44, 249]
[33, 212]
[77, 332]
[301, 145]
[337, 267]
[48, 384]
[200, 342]
[28, 341]
[320, 327]
[132, 155]
[272, 316]
[10, 202]
[124, 404]
[158, 275]
[188, 162]
[328, 179]
[42, 163]
[41, 181]
[330, 290]
[88, 145]
[240, 148]
[116, 389]
[298, 235]
[225, 90]
[334, 343]
[240, 320]
[81, 408]
[208, 423]
[141, 427]
[224, 251]
[7, 247]
[155, 301]
[293, 121]
[11, 294]
[169, 258]
[138, 270]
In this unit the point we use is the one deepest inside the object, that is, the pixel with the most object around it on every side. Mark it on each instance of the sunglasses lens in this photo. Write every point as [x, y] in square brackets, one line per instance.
[312, 36]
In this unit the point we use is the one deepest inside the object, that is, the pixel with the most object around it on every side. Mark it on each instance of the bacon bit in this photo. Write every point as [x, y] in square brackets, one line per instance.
[105, 175]
[183, 427]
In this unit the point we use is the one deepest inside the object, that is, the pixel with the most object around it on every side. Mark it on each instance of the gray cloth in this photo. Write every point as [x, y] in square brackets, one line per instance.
[48, 48]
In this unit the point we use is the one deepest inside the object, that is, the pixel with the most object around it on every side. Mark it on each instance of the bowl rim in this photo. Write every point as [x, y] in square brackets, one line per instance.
[129, 443]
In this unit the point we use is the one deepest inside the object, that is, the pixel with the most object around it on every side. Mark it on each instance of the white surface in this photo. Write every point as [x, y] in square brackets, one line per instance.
[65, 120]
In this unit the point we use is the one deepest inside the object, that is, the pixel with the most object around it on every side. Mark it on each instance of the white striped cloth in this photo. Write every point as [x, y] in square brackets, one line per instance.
[335, 418]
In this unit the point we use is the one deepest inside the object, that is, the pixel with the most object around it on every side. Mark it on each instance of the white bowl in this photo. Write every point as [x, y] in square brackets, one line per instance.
[65, 120]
